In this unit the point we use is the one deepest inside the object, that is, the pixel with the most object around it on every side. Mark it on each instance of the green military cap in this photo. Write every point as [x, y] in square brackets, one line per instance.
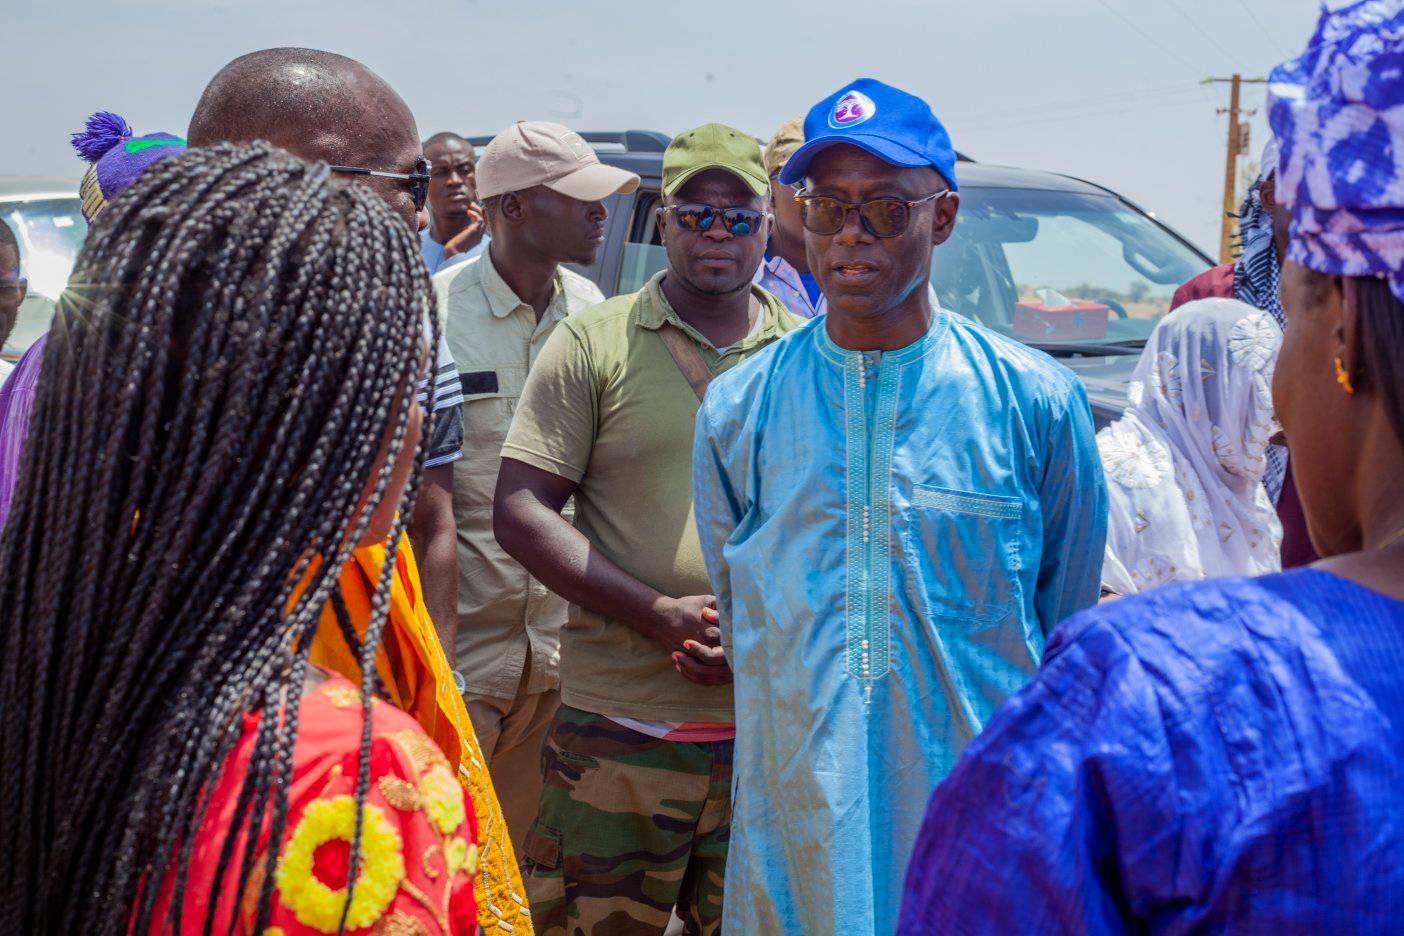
[714, 146]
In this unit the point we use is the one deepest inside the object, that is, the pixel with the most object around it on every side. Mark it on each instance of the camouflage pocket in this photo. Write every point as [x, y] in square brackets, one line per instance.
[544, 879]
[542, 847]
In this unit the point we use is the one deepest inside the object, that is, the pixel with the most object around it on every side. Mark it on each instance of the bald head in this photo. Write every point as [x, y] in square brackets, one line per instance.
[445, 137]
[316, 105]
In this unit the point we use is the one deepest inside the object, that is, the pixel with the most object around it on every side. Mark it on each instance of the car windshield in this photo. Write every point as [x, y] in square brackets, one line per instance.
[1060, 271]
[50, 232]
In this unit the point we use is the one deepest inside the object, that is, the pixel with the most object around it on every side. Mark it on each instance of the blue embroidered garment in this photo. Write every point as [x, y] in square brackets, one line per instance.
[1255, 281]
[1218, 757]
[1337, 111]
[890, 537]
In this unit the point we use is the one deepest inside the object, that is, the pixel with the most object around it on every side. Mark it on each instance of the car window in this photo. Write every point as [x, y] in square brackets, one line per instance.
[644, 254]
[1054, 268]
[50, 233]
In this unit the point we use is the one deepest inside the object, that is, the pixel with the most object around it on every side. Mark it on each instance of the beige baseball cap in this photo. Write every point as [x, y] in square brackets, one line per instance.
[782, 146]
[537, 152]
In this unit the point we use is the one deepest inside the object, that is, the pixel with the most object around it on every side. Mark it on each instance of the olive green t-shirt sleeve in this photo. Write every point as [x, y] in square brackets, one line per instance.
[554, 426]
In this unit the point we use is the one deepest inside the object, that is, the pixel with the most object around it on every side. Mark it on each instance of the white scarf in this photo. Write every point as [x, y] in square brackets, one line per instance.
[1185, 462]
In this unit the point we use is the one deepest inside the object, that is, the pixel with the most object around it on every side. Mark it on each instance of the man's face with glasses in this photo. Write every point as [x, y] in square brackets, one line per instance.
[875, 259]
[13, 289]
[714, 229]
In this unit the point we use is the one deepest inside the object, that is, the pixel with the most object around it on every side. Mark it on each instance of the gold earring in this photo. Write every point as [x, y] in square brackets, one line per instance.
[1343, 377]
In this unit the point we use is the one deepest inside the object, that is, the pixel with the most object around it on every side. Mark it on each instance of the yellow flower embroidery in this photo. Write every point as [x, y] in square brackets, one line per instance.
[382, 865]
[455, 854]
[443, 799]
[342, 695]
[421, 751]
[399, 793]
[399, 923]
[460, 856]
[433, 860]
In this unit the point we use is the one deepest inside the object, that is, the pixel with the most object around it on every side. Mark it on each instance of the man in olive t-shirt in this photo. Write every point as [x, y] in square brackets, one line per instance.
[634, 817]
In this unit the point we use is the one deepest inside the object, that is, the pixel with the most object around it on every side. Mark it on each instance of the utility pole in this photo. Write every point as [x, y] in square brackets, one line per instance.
[1237, 146]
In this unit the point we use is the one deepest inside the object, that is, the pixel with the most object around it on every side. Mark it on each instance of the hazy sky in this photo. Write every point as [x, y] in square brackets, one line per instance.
[1107, 90]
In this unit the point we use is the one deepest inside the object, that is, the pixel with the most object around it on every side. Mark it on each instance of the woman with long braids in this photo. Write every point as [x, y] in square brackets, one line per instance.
[1225, 756]
[227, 413]
[327, 108]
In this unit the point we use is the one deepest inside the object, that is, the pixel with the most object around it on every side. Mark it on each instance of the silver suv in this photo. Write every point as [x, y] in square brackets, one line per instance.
[1066, 266]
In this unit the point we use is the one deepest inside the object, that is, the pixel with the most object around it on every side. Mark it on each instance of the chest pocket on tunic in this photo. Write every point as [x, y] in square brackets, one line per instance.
[968, 545]
[489, 399]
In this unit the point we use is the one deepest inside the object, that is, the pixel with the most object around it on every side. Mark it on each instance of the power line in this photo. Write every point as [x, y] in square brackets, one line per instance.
[1139, 95]
[1147, 36]
[981, 123]
[1261, 28]
[1200, 29]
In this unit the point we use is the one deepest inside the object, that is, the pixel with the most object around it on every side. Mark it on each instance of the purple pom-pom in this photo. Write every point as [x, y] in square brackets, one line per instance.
[104, 131]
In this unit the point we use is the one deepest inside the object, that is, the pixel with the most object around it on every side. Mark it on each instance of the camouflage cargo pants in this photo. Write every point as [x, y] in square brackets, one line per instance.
[629, 827]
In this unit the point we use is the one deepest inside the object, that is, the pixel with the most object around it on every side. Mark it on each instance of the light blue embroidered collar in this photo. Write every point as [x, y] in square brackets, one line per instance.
[940, 323]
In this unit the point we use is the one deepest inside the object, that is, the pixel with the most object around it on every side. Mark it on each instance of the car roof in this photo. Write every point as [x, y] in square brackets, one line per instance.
[983, 175]
[32, 186]
[648, 165]
[969, 174]
[641, 152]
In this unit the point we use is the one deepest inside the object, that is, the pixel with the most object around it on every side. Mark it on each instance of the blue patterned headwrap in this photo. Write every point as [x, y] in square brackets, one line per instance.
[1337, 111]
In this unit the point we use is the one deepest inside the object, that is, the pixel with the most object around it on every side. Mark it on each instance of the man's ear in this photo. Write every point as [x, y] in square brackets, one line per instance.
[512, 207]
[944, 217]
[660, 217]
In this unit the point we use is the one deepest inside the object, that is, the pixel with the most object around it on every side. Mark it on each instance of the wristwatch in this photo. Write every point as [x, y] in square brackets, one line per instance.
[459, 682]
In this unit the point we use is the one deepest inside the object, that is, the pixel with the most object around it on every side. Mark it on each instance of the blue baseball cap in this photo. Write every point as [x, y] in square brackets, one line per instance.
[893, 125]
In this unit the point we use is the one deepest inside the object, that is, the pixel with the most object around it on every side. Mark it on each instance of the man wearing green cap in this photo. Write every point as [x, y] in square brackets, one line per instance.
[634, 817]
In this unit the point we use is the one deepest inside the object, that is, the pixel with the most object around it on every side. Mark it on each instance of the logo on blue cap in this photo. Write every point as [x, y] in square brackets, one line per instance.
[893, 125]
[853, 108]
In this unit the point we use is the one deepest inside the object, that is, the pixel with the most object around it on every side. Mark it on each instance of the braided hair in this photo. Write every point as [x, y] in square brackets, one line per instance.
[209, 444]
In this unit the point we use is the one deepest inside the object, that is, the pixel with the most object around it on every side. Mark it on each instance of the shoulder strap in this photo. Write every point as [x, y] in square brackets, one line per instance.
[685, 354]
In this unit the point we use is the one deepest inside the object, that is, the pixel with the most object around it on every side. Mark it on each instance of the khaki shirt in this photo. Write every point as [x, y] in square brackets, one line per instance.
[606, 407]
[503, 613]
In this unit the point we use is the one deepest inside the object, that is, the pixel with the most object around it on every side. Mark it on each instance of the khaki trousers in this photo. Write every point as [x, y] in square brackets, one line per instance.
[512, 733]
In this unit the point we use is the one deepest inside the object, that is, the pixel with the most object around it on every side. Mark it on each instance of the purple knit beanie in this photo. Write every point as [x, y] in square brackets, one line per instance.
[117, 158]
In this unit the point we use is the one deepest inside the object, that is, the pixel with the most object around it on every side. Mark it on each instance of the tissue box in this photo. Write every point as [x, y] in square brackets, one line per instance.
[1076, 321]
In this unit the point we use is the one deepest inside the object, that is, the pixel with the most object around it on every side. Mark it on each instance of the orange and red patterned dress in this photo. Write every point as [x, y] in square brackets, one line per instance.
[418, 841]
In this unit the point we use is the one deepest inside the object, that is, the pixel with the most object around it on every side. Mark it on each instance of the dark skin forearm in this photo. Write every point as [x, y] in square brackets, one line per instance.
[434, 536]
[528, 524]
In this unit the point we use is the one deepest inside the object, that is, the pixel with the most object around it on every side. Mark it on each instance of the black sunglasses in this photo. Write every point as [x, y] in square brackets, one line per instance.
[739, 221]
[418, 180]
[881, 217]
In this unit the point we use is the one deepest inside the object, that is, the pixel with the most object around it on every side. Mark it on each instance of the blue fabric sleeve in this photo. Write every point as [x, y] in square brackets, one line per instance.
[1200, 758]
[1073, 495]
[717, 511]
[1070, 781]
